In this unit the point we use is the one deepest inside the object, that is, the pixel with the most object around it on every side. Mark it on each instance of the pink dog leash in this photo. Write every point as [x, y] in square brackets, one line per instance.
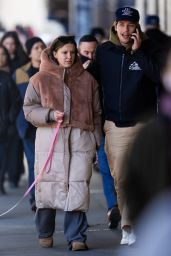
[49, 158]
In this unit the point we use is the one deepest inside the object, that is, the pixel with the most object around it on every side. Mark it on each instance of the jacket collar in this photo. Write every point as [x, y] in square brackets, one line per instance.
[26, 66]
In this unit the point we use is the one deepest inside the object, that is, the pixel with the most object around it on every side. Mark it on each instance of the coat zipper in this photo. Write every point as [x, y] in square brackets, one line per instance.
[120, 88]
[66, 178]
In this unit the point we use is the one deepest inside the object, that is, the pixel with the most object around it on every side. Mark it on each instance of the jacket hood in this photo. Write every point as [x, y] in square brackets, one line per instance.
[49, 66]
[115, 40]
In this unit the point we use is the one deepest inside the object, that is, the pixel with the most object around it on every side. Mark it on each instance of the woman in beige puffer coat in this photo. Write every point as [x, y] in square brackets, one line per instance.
[62, 91]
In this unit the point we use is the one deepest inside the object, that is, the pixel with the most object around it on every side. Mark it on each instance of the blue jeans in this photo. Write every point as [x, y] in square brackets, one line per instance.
[29, 150]
[107, 179]
[75, 225]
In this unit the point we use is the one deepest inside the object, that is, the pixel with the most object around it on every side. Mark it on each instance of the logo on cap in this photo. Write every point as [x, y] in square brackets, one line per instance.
[127, 12]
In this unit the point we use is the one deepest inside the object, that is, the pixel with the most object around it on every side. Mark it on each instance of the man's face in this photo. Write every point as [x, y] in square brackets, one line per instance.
[124, 31]
[87, 49]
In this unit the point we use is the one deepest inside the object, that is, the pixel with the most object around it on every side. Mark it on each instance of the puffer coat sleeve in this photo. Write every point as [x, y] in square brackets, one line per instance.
[34, 112]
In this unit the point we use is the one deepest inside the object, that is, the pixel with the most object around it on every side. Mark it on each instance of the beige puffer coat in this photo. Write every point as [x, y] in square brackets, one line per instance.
[66, 185]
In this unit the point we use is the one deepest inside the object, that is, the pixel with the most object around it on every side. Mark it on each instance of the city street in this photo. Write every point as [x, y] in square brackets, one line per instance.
[18, 235]
[78, 76]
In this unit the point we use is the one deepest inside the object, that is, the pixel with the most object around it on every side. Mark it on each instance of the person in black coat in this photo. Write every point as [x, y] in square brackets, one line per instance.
[127, 67]
[86, 48]
[159, 38]
[9, 107]
[153, 31]
[148, 180]
[18, 57]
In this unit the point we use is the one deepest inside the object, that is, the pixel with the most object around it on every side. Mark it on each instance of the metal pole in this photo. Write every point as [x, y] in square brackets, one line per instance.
[162, 15]
[151, 5]
[166, 16]
[140, 5]
[157, 7]
[72, 16]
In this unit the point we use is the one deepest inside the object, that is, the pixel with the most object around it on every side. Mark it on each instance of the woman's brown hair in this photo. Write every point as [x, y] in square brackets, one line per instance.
[60, 42]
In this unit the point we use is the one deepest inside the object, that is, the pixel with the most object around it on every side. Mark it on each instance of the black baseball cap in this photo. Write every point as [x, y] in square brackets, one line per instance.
[127, 13]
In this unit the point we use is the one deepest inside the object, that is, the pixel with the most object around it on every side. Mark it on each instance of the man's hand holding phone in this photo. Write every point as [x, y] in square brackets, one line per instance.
[136, 40]
[86, 64]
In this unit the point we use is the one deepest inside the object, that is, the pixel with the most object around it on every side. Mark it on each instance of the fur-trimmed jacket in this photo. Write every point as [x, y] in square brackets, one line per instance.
[75, 92]
[48, 87]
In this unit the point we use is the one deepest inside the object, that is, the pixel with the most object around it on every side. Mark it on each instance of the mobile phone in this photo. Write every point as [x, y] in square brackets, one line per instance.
[139, 28]
[135, 32]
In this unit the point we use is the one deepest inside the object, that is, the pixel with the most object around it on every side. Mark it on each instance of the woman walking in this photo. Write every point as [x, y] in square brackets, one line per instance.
[62, 91]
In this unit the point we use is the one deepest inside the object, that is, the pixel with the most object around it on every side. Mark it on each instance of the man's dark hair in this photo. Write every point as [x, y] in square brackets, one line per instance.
[87, 38]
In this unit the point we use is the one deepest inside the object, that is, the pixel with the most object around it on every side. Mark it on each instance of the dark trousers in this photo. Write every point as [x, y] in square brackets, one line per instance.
[14, 160]
[3, 155]
[75, 225]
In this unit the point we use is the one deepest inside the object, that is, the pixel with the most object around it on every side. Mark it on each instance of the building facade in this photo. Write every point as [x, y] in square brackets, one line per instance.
[77, 16]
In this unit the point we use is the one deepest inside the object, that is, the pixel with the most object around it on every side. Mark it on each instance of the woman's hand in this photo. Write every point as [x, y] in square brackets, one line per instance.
[58, 116]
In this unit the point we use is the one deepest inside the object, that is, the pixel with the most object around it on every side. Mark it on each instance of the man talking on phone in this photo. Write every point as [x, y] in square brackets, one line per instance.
[126, 68]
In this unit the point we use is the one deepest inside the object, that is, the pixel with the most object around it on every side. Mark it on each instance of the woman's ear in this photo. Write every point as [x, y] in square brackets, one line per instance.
[54, 54]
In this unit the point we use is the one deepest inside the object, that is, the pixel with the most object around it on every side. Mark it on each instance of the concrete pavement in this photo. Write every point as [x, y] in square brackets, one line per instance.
[18, 235]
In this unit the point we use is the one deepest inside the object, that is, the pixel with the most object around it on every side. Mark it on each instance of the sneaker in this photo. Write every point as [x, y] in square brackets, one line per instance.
[46, 242]
[113, 217]
[125, 237]
[128, 237]
[132, 238]
[79, 246]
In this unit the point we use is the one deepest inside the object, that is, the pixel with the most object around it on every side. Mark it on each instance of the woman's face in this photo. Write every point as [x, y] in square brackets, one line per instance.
[3, 58]
[65, 55]
[36, 51]
[10, 45]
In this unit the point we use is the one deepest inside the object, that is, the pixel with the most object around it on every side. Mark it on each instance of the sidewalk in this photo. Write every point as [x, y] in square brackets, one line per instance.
[18, 235]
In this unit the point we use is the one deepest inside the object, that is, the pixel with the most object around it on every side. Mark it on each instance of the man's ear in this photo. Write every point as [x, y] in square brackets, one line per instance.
[138, 27]
[115, 25]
